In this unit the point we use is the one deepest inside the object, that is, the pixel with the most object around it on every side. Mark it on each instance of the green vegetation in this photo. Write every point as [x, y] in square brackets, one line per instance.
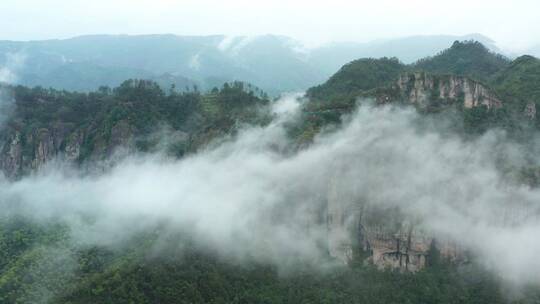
[361, 77]
[468, 58]
[519, 82]
[100, 121]
[356, 77]
[40, 264]
[516, 83]
[520, 79]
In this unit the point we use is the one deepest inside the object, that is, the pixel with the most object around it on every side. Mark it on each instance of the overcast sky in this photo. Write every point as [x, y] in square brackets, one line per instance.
[515, 25]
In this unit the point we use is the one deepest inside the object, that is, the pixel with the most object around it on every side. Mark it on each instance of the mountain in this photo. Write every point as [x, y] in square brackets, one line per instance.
[467, 75]
[407, 49]
[357, 76]
[276, 64]
[85, 128]
[475, 87]
[469, 58]
[466, 58]
[85, 63]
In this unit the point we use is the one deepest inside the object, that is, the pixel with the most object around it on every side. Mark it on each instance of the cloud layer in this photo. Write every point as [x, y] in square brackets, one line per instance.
[250, 197]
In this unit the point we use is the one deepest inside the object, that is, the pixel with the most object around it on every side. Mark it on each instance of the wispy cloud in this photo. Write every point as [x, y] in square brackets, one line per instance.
[13, 62]
[246, 198]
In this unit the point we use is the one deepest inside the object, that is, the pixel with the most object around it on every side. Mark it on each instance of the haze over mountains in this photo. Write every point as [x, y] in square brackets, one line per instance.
[275, 64]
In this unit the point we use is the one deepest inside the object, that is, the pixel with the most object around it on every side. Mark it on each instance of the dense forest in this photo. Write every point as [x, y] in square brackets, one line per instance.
[40, 264]
[90, 126]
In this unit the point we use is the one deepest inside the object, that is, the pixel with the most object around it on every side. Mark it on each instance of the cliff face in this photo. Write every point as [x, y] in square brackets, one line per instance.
[85, 127]
[424, 89]
[24, 151]
[383, 236]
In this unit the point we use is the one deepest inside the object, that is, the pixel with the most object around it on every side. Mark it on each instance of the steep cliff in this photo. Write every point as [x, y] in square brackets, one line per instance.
[360, 231]
[27, 150]
[423, 90]
[80, 129]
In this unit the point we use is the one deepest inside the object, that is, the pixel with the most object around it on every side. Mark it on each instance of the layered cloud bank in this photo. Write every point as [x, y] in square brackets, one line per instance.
[253, 197]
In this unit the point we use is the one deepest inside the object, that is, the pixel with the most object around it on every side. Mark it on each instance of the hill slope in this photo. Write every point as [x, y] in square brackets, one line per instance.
[81, 127]
[407, 49]
[469, 58]
[466, 74]
[520, 81]
[358, 76]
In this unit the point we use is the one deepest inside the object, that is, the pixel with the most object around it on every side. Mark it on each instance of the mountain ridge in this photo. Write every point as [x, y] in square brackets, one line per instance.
[275, 63]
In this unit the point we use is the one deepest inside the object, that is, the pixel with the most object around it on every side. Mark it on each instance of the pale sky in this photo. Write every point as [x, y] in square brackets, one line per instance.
[515, 25]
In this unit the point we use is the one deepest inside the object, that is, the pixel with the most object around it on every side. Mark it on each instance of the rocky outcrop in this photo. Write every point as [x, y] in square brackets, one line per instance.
[24, 151]
[423, 90]
[11, 160]
[402, 245]
[530, 110]
[27, 150]
[382, 236]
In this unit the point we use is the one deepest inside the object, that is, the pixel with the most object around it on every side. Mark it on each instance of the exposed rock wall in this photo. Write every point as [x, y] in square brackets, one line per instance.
[381, 235]
[24, 151]
[424, 89]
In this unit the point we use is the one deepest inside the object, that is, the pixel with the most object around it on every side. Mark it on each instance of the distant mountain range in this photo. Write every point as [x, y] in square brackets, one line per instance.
[274, 63]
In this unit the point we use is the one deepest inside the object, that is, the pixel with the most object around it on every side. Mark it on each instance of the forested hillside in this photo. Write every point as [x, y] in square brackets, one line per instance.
[465, 59]
[514, 83]
[80, 127]
[38, 265]
[468, 58]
